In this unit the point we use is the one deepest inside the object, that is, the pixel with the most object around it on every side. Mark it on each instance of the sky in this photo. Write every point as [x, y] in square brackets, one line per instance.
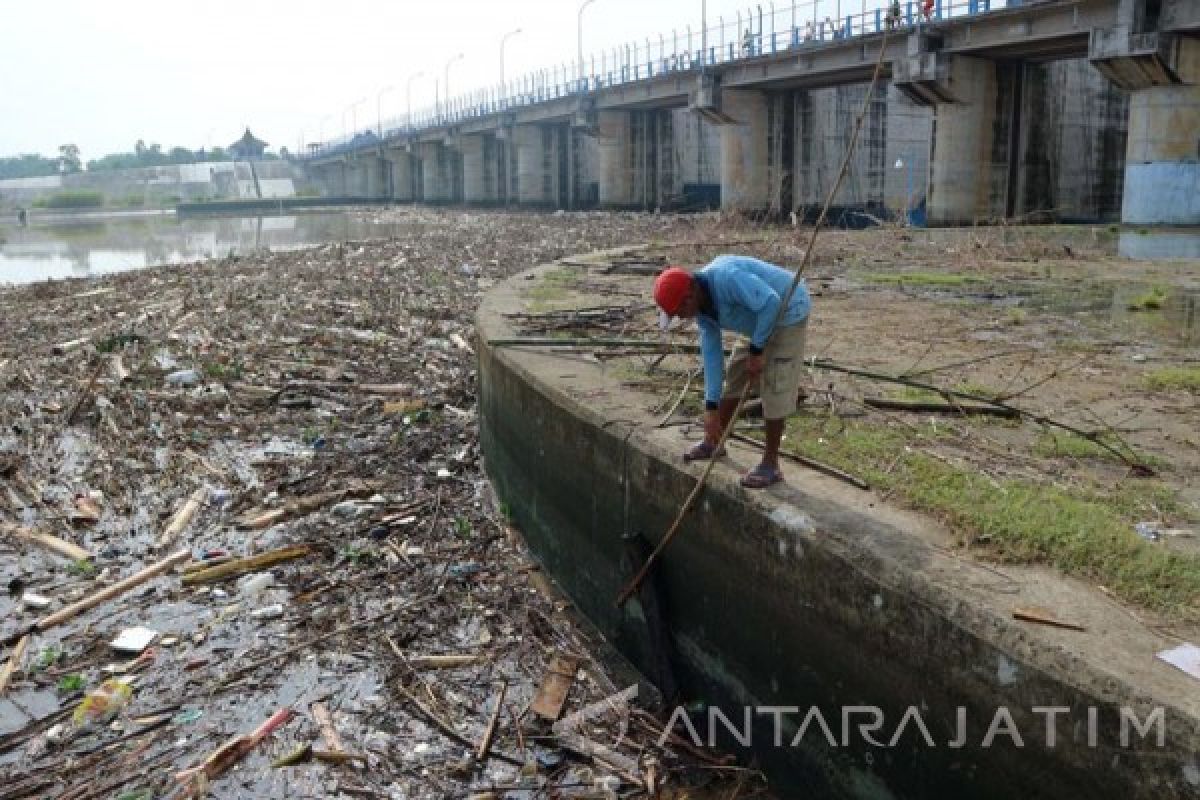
[102, 75]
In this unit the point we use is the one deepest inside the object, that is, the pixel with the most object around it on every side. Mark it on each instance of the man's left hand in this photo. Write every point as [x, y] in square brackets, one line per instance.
[754, 365]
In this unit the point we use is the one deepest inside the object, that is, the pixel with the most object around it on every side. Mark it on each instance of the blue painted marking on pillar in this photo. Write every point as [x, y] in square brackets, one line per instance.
[908, 13]
[849, 29]
[878, 26]
[938, 10]
[972, 6]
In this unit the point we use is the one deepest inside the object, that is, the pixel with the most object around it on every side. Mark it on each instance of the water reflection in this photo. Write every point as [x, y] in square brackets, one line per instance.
[78, 248]
[1156, 245]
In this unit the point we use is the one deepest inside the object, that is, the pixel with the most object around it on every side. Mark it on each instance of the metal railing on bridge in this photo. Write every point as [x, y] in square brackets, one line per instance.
[754, 34]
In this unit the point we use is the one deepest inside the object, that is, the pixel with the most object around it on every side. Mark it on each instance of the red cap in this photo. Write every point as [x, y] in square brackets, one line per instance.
[670, 288]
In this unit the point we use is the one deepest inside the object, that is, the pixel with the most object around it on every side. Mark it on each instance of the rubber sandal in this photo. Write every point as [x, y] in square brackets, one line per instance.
[702, 451]
[761, 477]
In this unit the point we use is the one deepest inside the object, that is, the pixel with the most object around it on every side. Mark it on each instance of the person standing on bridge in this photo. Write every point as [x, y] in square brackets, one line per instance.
[742, 294]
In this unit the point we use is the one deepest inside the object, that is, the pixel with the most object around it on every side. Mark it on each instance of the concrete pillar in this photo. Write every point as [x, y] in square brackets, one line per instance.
[1162, 157]
[374, 183]
[530, 166]
[744, 185]
[614, 154]
[960, 189]
[474, 171]
[435, 186]
[402, 175]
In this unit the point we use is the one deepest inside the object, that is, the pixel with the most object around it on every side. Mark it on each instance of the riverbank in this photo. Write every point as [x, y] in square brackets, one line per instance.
[943, 575]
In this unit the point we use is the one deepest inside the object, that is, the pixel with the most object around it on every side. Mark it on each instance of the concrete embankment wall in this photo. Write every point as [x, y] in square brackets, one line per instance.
[813, 594]
[165, 186]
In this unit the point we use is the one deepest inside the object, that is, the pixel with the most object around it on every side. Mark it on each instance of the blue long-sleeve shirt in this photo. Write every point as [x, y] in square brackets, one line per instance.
[745, 294]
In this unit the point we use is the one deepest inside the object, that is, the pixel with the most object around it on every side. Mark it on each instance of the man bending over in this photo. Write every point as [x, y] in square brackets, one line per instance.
[742, 294]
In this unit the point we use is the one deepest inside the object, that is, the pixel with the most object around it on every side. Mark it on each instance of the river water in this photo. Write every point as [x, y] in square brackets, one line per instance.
[58, 246]
[76, 247]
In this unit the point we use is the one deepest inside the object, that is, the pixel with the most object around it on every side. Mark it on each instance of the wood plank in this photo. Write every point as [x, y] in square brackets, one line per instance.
[556, 684]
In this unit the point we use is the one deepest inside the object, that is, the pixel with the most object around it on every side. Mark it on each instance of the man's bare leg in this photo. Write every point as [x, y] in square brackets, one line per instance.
[771, 447]
[726, 409]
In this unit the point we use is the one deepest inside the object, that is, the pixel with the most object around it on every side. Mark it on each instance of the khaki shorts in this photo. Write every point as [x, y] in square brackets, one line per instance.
[783, 366]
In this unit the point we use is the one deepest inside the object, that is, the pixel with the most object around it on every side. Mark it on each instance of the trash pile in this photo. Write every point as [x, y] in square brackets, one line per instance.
[248, 549]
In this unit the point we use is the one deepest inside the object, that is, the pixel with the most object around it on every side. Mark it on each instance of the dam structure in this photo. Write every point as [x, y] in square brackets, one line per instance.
[986, 110]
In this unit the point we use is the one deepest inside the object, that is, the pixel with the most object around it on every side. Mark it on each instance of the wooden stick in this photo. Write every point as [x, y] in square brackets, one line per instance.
[811, 463]
[60, 546]
[265, 518]
[13, 664]
[1040, 617]
[447, 729]
[490, 733]
[208, 563]
[116, 590]
[244, 565]
[183, 516]
[637, 579]
[446, 661]
[940, 408]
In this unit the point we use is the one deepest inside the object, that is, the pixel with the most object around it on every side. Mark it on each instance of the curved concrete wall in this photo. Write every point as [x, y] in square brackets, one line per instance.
[811, 596]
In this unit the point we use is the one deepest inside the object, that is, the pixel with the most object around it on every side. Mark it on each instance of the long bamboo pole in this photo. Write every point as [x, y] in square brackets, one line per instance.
[637, 579]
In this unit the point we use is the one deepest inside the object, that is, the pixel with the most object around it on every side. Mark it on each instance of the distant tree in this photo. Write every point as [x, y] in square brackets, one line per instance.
[69, 160]
[28, 165]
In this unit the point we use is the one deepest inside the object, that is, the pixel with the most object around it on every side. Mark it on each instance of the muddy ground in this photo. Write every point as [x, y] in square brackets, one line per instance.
[326, 400]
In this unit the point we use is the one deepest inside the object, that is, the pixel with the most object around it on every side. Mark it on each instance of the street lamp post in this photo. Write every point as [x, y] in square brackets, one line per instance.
[446, 81]
[321, 129]
[504, 40]
[353, 109]
[408, 94]
[379, 107]
[579, 33]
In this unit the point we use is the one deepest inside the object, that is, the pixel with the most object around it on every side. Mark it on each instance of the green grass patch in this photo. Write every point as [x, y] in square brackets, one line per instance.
[917, 395]
[81, 568]
[1187, 378]
[931, 279]
[75, 198]
[1070, 445]
[1085, 533]
[47, 658]
[71, 683]
[1151, 300]
[553, 289]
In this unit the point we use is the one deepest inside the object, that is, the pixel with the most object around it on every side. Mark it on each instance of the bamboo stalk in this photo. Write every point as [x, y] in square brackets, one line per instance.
[637, 579]
[60, 546]
[13, 664]
[116, 590]
[244, 565]
[489, 734]
[183, 516]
